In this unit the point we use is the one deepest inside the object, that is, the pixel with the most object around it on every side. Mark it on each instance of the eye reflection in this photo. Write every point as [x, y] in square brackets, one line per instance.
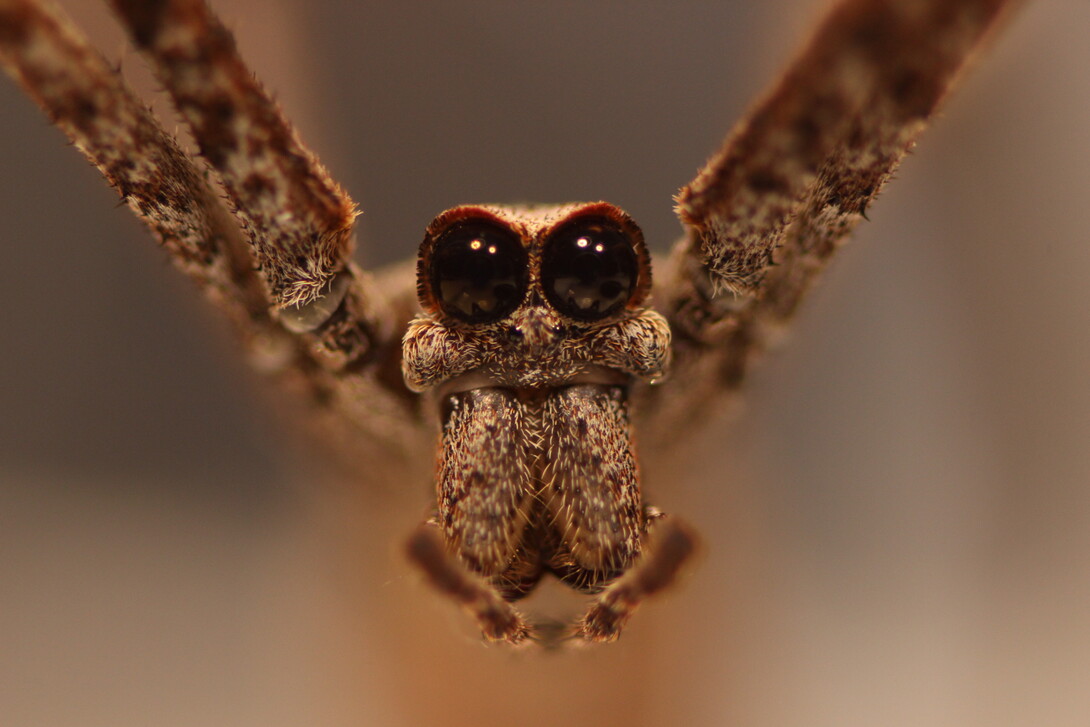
[478, 272]
[589, 270]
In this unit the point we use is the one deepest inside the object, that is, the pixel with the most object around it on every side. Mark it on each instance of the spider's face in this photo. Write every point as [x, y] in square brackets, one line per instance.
[534, 296]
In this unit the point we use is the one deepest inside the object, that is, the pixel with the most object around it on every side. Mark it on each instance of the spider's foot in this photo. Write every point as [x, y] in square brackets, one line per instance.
[502, 623]
[603, 622]
[498, 619]
[673, 544]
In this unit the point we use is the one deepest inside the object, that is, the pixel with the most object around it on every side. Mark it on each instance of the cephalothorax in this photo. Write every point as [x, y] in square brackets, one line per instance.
[536, 347]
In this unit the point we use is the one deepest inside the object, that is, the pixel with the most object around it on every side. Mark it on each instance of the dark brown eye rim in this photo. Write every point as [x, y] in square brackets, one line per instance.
[590, 269]
[478, 271]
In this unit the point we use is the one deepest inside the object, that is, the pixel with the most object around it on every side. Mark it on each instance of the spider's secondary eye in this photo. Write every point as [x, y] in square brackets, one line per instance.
[478, 272]
[589, 270]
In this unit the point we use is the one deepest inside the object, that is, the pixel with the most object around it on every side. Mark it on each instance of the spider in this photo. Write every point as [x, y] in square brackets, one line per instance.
[541, 337]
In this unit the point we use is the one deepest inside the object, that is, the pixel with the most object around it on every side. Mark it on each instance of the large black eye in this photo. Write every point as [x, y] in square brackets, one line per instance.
[478, 272]
[589, 269]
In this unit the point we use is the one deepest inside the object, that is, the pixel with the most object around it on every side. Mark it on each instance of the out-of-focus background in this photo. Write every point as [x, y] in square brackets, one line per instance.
[896, 525]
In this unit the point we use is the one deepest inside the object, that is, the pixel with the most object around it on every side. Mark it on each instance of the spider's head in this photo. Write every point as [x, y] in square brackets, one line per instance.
[533, 291]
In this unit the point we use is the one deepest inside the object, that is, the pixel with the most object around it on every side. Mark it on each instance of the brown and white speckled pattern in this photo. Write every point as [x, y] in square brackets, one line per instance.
[590, 482]
[536, 481]
[537, 472]
[338, 369]
[484, 482]
[435, 353]
[88, 100]
[839, 120]
[298, 219]
[534, 346]
[795, 177]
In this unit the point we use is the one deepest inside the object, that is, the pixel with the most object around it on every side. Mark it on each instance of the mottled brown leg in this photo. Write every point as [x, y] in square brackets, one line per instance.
[794, 178]
[86, 98]
[330, 349]
[672, 544]
[498, 619]
[298, 219]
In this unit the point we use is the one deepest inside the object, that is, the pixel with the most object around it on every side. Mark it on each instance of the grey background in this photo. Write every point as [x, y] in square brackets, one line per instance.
[897, 526]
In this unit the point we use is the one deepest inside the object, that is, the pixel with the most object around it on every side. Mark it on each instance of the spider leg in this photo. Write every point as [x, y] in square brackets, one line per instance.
[792, 180]
[672, 544]
[298, 220]
[87, 99]
[498, 619]
[307, 318]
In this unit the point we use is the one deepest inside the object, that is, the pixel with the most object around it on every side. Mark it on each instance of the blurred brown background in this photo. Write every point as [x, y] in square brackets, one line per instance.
[897, 526]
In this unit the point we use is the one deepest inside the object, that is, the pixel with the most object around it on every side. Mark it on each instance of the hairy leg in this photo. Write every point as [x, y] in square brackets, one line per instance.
[498, 619]
[307, 317]
[793, 179]
[672, 544]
